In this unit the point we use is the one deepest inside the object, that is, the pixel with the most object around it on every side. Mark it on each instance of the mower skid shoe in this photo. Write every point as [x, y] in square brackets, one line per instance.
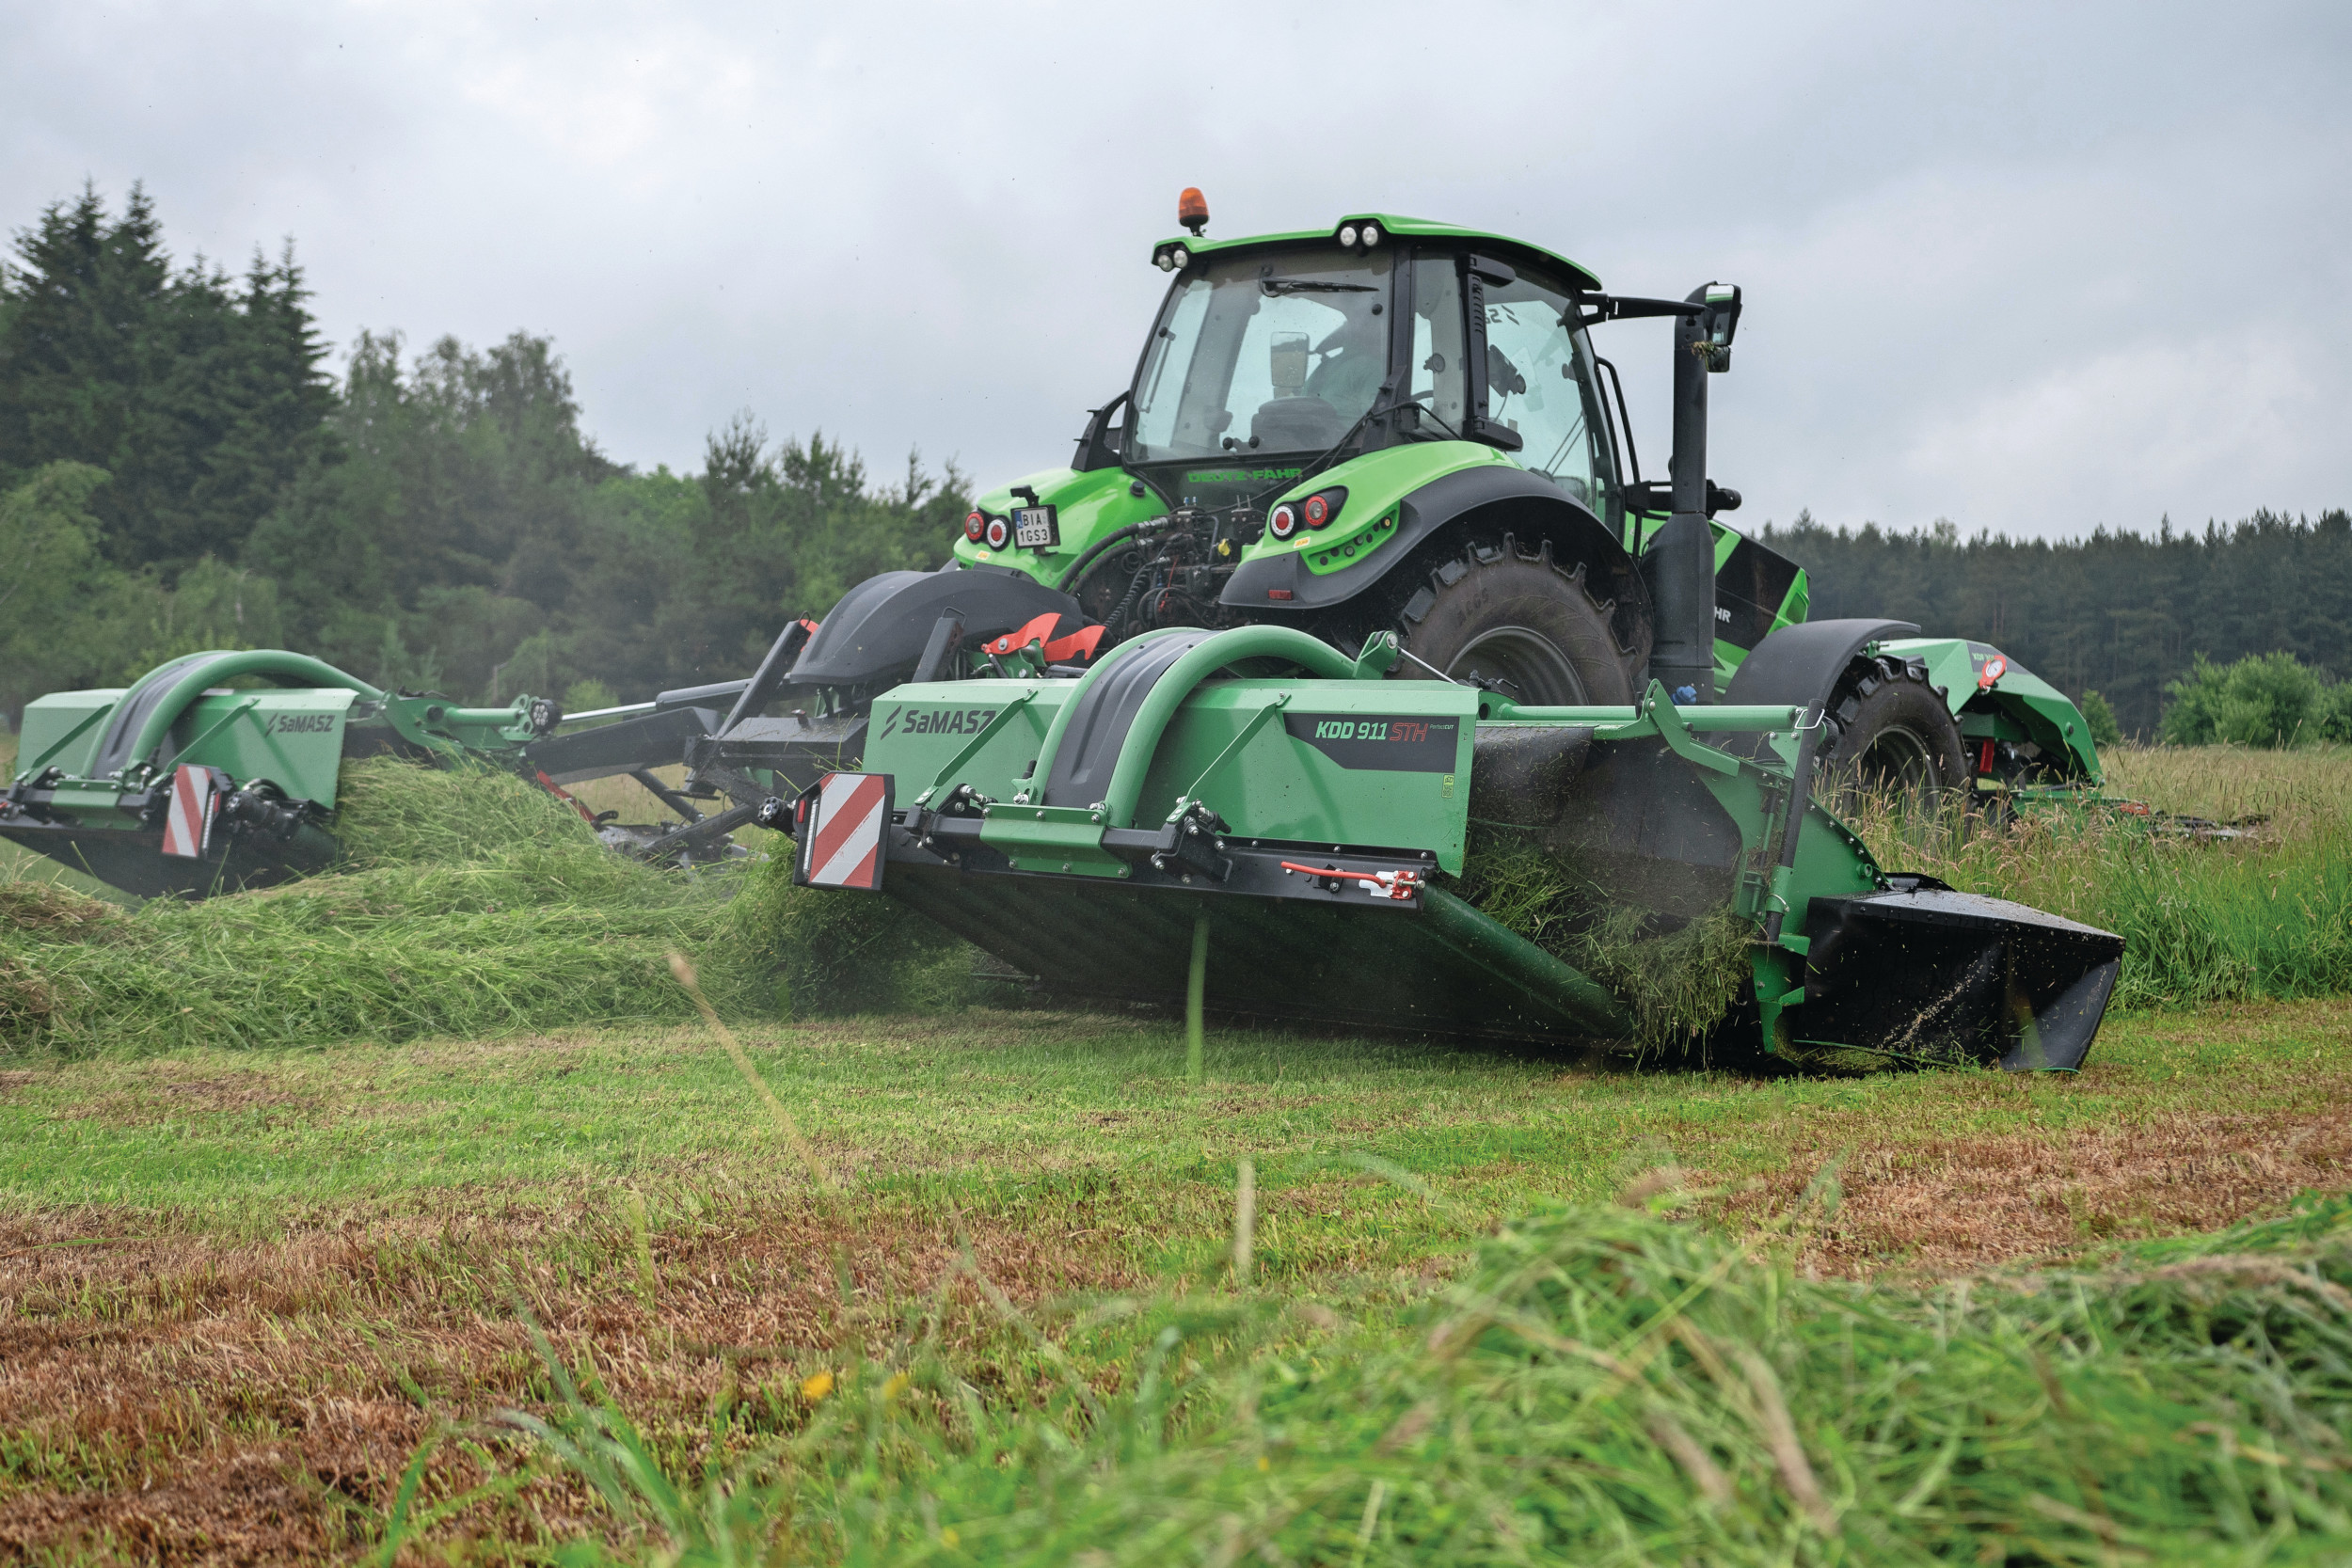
[1930, 974]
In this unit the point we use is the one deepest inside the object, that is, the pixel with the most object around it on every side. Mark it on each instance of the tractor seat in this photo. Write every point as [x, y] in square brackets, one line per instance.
[1297, 424]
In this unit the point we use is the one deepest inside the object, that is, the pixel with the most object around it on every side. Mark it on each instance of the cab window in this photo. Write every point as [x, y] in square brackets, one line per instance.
[1539, 383]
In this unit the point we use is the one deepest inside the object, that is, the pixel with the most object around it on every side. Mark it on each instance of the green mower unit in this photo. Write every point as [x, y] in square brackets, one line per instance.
[1316, 823]
[182, 783]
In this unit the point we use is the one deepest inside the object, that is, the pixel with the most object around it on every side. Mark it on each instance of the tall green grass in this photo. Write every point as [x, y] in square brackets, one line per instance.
[469, 903]
[1600, 1387]
[2205, 919]
[477, 905]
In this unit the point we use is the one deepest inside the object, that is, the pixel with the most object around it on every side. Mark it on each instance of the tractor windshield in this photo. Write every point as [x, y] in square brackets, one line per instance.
[1263, 353]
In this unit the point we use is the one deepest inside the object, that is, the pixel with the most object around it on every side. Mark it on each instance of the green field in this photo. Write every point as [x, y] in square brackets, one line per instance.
[261, 1279]
[277, 1251]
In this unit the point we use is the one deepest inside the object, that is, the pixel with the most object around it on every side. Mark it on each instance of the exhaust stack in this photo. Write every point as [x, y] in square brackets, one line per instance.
[1682, 561]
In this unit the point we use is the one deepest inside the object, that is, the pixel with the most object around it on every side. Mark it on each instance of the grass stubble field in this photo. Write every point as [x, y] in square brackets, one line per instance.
[299, 1262]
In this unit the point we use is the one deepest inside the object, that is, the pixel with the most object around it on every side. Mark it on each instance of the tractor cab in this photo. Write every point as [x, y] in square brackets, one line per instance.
[1294, 352]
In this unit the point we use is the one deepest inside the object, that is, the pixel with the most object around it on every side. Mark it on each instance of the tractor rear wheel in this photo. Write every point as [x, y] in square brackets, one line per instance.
[1522, 622]
[1892, 733]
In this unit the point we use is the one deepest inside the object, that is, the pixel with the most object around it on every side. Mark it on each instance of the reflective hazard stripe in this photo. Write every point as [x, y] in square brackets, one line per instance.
[188, 825]
[845, 850]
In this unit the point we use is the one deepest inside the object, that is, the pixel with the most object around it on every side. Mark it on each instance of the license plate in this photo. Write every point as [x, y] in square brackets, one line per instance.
[1035, 527]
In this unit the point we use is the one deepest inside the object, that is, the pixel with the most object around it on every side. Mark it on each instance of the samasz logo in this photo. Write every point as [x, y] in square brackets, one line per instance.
[300, 724]
[936, 720]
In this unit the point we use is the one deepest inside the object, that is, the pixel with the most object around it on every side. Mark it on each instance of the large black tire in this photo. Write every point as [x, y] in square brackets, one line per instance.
[1891, 732]
[1524, 619]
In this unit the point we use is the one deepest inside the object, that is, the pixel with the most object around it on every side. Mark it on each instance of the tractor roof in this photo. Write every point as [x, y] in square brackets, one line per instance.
[1502, 244]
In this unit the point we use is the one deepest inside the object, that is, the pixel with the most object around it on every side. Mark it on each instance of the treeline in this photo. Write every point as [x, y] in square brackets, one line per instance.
[2126, 615]
[178, 471]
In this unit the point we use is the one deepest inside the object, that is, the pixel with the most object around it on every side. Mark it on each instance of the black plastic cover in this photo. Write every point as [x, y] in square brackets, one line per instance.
[878, 631]
[129, 715]
[1931, 974]
[1105, 711]
[1798, 666]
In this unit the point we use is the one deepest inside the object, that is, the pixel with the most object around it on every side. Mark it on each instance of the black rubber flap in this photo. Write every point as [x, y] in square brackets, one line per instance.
[132, 858]
[879, 628]
[1106, 710]
[1941, 976]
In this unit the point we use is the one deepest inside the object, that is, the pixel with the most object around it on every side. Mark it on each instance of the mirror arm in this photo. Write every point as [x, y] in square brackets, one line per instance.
[1094, 447]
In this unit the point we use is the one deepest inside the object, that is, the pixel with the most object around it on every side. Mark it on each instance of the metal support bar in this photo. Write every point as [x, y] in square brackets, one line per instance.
[1196, 999]
[1793, 827]
[1249, 731]
[664, 794]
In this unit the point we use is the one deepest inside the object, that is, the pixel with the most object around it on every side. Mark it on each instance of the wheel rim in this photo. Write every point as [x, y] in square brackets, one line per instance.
[1901, 759]
[1540, 672]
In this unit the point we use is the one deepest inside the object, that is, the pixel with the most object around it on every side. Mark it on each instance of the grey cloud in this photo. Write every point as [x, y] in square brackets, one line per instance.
[2031, 268]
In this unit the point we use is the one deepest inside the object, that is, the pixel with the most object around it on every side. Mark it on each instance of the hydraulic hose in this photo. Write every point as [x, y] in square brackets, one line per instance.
[1087, 558]
[210, 670]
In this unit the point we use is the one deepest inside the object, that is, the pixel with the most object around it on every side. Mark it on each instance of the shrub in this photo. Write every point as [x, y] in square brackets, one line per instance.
[2099, 715]
[2268, 700]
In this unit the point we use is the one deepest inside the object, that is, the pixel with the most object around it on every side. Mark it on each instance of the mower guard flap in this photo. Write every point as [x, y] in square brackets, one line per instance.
[1931, 974]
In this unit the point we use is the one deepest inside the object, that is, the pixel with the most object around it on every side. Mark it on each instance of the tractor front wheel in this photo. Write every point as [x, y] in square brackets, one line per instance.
[1892, 733]
[1522, 622]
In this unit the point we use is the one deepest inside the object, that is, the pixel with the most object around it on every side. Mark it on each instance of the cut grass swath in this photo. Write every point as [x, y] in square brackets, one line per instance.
[1610, 1386]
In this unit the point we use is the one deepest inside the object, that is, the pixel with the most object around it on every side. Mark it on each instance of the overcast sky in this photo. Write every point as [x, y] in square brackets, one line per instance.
[2033, 268]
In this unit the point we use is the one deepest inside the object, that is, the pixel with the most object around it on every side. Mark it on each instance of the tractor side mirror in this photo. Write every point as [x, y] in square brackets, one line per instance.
[1719, 321]
[1286, 362]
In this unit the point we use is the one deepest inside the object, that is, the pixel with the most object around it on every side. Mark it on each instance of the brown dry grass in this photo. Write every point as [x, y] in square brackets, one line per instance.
[1960, 1205]
[2137, 1164]
[172, 1398]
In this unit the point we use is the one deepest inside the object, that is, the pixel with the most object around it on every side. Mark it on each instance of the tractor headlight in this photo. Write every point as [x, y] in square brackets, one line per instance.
[1371, 235]
[1179, 259]
[1166, 263]
[1347, 235]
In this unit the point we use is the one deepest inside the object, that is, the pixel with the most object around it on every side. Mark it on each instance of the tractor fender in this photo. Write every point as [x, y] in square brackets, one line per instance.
[879, 629]
[1798, 666]
[1510, 499]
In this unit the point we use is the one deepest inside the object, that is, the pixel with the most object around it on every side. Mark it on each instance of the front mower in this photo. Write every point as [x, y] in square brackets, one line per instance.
[1255, 817]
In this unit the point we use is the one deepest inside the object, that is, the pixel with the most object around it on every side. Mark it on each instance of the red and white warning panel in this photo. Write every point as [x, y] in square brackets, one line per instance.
[841, 831]
[196, 793]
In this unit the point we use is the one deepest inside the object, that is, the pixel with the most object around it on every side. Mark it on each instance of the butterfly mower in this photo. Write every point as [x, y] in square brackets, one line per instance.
[1350, 627]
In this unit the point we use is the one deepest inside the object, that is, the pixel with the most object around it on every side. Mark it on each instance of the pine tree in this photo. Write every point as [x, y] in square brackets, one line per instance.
[199, 398]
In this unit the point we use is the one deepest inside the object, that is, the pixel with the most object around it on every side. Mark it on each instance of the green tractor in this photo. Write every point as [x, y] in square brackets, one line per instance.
[1399, 426]
[1387, 426]
[1360, 570]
